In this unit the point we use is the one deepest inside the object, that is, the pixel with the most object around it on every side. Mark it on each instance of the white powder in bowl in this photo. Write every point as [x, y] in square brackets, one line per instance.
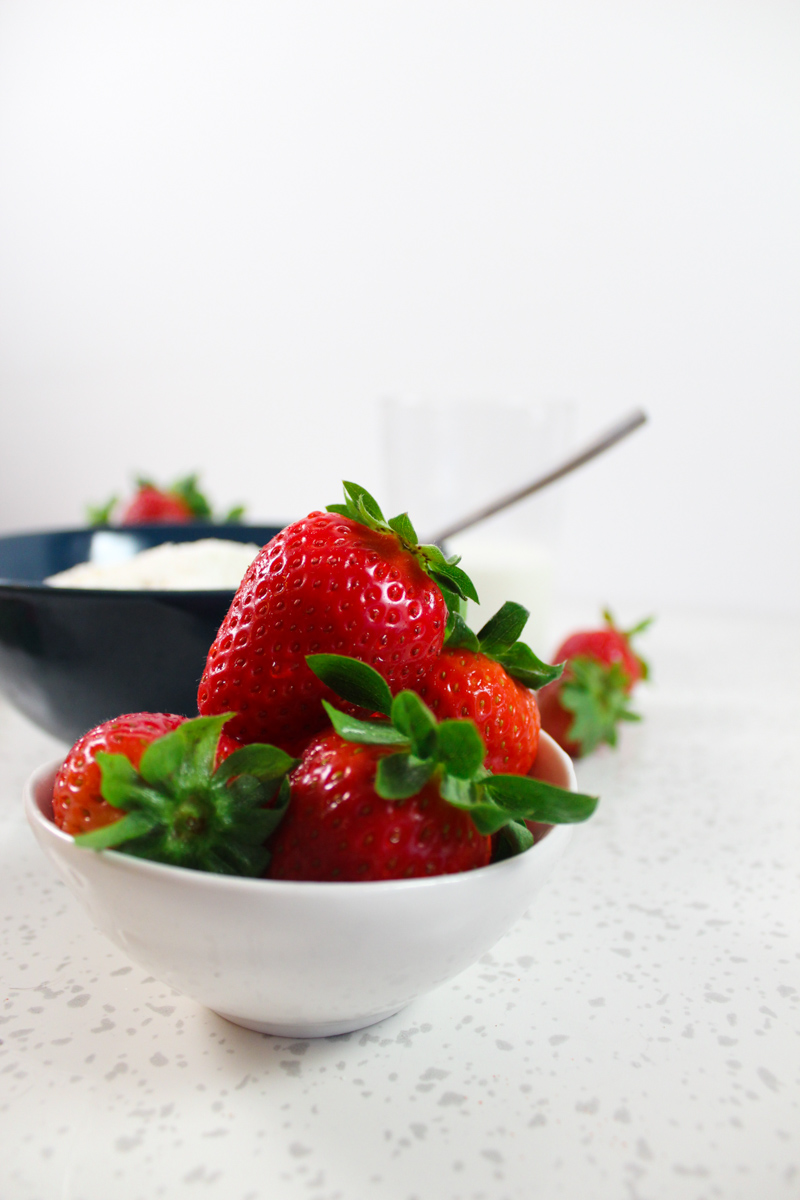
[211, 564]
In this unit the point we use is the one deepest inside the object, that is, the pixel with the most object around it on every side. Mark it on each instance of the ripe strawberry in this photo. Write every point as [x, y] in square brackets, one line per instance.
[178, 791]
[78, 804]
[345, 580]
[584, 707]
[338, 828]
[488, 677]
[405, 797]
[151, 506]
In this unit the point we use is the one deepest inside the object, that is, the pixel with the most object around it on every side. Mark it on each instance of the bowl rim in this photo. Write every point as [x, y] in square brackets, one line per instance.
[203, 529]
[556, 837]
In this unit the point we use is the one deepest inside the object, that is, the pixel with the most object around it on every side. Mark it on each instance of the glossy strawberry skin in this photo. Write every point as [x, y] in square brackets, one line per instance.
[150, 506]
[338, 829]
[325, 584]
[465, 683]
[78, 806]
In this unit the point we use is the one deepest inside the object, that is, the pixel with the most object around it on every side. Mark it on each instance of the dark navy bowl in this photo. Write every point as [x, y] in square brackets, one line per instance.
[73, 657]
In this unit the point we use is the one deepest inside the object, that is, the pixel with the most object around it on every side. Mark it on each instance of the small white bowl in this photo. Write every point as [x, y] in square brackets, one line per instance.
[299, 959]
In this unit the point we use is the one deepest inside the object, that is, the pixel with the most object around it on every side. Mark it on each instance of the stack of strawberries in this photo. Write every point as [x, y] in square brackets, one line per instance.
[352, 726]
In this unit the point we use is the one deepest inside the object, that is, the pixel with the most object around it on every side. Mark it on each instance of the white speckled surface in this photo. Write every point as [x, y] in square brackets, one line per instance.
[635, 1036]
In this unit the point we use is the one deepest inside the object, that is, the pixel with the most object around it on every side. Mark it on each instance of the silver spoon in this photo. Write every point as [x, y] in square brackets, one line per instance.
[606, 440]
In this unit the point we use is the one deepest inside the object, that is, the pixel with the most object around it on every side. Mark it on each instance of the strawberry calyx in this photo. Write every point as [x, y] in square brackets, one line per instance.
[498, 640]
[597, 694]
[360, 506]
[181, 811]
[450, 751]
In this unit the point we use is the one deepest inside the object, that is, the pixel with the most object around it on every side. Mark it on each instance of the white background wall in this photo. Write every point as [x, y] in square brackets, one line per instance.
[228, 227]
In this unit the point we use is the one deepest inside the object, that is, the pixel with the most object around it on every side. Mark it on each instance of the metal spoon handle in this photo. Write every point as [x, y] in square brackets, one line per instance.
[606, 440]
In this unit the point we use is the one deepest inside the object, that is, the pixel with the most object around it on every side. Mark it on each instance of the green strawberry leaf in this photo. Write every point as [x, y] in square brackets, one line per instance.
[366, 733]
[363, 502]
[461, 748]
[191, 495]
[529, 799]
[512, 839]
[354, 681]
[100, 514]
[258, 760]
[134, 825]
[503, 629]
[455, 580]
[461, 793]
[403, 528]
[458, 635]
[120, 785]
[188, 751]
[522, 664]
[412, 717]
[234, 516]
[400, 776]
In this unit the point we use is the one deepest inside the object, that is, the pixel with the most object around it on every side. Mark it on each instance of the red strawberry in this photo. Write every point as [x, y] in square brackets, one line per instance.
[488, 677]
[179, 504]
[78, 804]
[584, 707]
[342, 581]
[402, 798]
[151, 506]
[338, 828]
[173, 790]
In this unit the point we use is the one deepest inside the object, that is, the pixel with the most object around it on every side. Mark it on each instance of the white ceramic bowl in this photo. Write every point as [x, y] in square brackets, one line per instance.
[299, 959]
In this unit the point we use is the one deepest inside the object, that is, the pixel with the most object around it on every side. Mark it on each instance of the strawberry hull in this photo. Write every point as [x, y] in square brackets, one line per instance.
[325, 584]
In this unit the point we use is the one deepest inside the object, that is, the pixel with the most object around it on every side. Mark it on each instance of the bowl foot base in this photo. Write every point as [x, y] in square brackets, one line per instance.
[308, 1029]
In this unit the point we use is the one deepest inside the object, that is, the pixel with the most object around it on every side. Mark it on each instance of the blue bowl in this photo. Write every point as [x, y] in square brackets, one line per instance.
[73, 657]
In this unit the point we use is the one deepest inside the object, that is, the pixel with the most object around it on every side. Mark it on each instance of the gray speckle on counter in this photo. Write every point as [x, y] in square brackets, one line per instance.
[635, 1035]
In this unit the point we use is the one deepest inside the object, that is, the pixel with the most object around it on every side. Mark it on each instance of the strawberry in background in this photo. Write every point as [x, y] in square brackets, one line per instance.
[181, 503]
[584, 707]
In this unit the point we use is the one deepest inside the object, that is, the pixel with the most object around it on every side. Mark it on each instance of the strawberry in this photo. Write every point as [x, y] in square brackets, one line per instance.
[339, 828]
[78, 804]
[403, 797]
[344, 580]
[179, 504]
[162, 787]
[584, 707]
[488, 677]
[151, 506]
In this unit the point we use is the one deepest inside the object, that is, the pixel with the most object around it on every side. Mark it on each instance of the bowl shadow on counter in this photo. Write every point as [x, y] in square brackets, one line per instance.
[73, 657]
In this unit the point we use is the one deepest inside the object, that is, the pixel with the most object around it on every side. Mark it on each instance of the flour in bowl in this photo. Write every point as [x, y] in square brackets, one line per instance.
[210, 564]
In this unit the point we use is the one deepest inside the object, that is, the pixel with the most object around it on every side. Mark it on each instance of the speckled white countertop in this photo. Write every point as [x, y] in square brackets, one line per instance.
[635, 1036]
